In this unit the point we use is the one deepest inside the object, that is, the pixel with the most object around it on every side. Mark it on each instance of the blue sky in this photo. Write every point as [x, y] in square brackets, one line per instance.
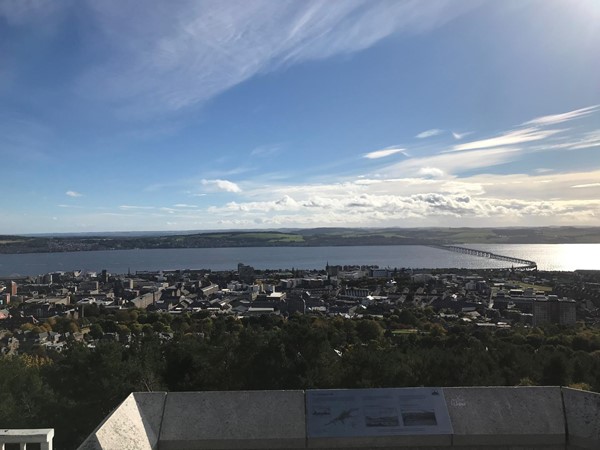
[188, 114]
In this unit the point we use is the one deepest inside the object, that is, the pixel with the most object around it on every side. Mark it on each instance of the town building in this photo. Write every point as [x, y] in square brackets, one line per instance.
[554, 310]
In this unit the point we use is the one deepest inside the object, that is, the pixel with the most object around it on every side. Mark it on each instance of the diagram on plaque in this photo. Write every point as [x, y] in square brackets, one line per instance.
[373, 412]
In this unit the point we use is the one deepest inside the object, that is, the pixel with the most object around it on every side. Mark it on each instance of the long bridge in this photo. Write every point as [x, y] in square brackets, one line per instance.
[523, 264]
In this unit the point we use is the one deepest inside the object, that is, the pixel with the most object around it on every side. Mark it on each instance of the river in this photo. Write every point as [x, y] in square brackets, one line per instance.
[548, 257]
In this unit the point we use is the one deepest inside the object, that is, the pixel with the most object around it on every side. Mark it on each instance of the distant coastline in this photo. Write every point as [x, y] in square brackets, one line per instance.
[316, 237]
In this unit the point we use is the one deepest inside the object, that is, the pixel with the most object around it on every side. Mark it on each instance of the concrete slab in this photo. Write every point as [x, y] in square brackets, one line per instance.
[369, 418]
[127, 428]
[233, 419]
[582, 410]
[506, 416]
[151, 406]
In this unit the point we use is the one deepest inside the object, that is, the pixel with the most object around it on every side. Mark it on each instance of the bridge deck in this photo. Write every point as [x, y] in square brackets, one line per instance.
[524, 264]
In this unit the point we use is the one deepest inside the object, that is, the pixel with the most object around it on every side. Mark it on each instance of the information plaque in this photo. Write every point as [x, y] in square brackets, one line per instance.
[376, 412]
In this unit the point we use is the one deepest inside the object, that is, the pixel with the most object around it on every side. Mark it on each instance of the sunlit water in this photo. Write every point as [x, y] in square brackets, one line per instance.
[548, 257]
[566, 257]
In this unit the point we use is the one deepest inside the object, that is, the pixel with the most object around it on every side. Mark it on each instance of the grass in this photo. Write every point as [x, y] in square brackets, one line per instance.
[535, 287]
[405, 331]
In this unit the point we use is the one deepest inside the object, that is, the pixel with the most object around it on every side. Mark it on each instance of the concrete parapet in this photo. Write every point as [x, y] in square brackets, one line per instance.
[233, 419]
[582, 411]
[499, 418]
[509, 416]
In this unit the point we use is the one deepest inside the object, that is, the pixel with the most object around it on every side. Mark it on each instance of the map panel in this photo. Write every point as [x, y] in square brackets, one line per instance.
[376, 412]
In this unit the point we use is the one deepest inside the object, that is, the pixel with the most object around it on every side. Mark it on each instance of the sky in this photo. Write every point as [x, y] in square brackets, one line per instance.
[120, 115]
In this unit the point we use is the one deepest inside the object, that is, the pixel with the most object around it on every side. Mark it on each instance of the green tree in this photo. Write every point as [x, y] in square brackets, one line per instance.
[96, 331]
[368, 329]
[556, 371]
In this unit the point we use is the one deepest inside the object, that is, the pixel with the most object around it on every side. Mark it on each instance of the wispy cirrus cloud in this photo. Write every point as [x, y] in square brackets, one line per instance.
[222, 185]
[266, 150]
[384, 153]
[477, 157]
[560, 118]
[455, 162]
[587, 140]
[459, 136]
[535, 131]
[429, 133]
[73, 194]
[135, 207]
[587, 185]
[17, 12]
[510, 138]
[204, 48]
[454, 185]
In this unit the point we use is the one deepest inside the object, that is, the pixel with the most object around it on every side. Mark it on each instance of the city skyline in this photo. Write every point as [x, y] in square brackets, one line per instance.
[260, 114]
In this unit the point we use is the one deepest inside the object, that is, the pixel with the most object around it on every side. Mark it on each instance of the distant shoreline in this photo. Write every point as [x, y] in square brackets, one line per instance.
[318, 237]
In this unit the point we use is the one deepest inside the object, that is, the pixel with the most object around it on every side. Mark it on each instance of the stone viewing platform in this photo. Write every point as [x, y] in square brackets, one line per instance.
[501, 418]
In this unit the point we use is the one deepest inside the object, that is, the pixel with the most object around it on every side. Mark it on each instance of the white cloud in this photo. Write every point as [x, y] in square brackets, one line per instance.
[179, 54]
[73, 194]
[588, 185]
[560, 118]
[265, 150]
[587, 140]
[285, 203]
[540, 187]
[184, 205]
[425, 207]
[222, 185]
[430, 172]
[451, 163]
[70, 206]
[429, 133]
[367, 181]
[383, 153]
[427, 190]
[459, 136]
[510, 138]
[480, 200]
[133, 207]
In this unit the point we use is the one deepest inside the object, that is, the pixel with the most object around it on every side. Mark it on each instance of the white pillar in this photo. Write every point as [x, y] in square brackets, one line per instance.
[22, 445]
